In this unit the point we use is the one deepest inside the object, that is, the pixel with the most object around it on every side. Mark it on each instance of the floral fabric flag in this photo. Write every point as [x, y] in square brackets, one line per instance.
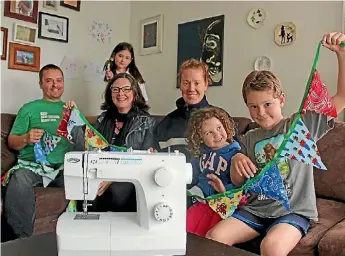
[271, 185]
[93, 141]
[225, 206]
[302, 147]
[318, 98]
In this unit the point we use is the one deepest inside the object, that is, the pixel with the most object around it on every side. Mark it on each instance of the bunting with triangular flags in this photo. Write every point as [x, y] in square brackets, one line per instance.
[318, 98]
[271, 185]
[42, 148]
[93, 139]
[225, 206]
[301, 147]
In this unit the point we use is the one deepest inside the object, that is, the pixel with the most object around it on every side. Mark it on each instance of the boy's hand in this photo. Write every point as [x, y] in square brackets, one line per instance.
[243, 165]
[332, 41]
[216, 183]
[70, 104]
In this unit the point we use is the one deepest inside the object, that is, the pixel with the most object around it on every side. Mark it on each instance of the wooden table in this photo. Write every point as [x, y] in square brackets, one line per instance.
[45, 245]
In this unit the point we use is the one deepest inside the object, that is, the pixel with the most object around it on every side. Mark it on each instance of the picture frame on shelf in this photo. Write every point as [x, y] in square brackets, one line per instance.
[151, 35]
[22, 10]
[74, 5]
[3, 39]
[24, 57]
[50, 4]
[53, 27]
[24, 34]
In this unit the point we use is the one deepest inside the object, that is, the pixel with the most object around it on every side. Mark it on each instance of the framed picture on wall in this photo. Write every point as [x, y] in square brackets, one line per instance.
[53, 27]
[24, 34]
[74, 5]
[22, 10]
[3, 41]
[50, 4]
[24, 57]
[151, 35]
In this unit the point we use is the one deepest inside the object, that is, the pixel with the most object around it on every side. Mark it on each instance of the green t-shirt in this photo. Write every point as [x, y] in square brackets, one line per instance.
[45, 115]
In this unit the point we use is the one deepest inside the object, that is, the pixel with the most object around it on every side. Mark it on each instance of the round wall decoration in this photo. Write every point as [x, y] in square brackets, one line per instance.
[256, 18]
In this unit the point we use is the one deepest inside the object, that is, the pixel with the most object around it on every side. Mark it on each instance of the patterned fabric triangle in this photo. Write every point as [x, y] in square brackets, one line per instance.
[70, 119]
[49, 142]
[271, 185]
[93, 141]
[62, 129]
[302, 147]
[225, 206]
[40, 154]
[318, 98]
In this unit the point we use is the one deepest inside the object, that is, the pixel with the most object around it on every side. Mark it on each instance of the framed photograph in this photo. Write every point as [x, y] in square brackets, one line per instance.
[24, 57]
[50, 5]
[3, 40]
[151, 38]
[22, 10]
[24, 34]
[74, 5]
[53, 27]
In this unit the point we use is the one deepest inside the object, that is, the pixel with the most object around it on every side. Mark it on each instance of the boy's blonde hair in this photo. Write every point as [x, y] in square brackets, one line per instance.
[195, 64]
[261, 81]
[194, 131]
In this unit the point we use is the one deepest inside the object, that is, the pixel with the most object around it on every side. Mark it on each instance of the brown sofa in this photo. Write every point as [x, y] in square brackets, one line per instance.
[325, 238]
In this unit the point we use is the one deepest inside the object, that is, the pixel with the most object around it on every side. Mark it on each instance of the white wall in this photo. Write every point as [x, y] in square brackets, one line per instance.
[242, 45]
[18, 87]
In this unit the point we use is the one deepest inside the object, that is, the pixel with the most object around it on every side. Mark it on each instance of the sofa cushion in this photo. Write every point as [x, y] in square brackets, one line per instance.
[45, 225]
[50, 201]
[330, 213]
[8, 157]
[333, 242]
[331, 183]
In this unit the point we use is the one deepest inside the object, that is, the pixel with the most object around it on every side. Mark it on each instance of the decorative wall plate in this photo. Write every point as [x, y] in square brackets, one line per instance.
[262, 63]
[256, 17]
[285, 34]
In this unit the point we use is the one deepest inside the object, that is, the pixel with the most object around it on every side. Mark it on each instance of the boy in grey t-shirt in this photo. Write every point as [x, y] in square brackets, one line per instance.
[262, 92]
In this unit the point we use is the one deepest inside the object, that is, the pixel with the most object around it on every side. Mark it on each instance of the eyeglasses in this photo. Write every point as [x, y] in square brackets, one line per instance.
[125, 89]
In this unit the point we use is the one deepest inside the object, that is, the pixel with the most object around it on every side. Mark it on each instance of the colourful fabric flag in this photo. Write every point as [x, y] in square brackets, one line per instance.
[225, 206]
[93, 139]
[318, 98]
[271, 185]
[302, 147]
[43, 147]
[62, 129]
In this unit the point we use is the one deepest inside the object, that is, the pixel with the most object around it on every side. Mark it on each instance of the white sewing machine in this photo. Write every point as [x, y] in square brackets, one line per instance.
[159, 225]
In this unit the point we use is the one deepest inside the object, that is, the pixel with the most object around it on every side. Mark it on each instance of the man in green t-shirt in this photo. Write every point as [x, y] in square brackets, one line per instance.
[33, 120]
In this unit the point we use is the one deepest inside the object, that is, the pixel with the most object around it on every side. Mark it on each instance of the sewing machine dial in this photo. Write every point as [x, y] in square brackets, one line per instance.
[163, 212]
[163, 177]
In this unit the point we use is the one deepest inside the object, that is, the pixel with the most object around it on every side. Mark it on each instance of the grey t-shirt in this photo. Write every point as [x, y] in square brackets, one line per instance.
[297, 176]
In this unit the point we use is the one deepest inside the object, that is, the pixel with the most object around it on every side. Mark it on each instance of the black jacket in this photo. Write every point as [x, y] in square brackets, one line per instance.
[139, 136]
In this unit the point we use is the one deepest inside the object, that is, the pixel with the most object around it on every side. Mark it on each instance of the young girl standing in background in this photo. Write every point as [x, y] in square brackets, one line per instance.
[122, 60]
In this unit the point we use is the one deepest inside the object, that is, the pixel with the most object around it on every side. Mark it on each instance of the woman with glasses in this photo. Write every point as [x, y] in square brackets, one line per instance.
[122, 60]
[125, 122]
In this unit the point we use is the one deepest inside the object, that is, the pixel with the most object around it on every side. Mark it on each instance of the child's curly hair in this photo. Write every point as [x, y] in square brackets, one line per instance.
[194, 131]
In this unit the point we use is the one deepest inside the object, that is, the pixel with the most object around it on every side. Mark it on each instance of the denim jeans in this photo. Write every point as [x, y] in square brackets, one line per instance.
[20, 200]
